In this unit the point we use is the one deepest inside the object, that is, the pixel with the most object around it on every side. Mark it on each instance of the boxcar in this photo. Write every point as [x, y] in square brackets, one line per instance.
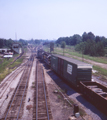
[96, 93]
[72, 70]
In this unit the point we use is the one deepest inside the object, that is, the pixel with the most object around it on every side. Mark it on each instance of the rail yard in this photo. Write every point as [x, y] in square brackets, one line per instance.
[42, 89]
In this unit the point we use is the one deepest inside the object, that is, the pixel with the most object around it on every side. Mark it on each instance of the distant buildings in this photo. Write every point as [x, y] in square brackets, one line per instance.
[8, 53]
[17, 48]
[5, 50]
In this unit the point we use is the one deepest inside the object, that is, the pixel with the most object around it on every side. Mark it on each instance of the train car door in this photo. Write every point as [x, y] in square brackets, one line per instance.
[60, 66]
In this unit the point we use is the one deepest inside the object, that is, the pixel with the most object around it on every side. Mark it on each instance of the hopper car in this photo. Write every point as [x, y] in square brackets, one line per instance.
[78, 74]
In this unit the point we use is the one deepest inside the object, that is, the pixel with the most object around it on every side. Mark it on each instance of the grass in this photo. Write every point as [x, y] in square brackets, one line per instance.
[72, 52]
[16, 63]
[5, 63]
[101, 72]
[6, 68]
[82, 112]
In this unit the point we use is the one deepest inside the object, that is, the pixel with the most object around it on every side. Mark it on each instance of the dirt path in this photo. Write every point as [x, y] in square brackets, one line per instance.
[102, 65]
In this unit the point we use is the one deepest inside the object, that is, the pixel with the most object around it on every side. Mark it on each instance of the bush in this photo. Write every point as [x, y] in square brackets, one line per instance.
[90, 47]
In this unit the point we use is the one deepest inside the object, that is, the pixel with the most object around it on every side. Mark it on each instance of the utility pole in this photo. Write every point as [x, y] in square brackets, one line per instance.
[16, 36]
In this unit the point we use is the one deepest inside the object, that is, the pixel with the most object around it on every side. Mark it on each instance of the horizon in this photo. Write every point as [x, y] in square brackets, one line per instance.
[30, 19]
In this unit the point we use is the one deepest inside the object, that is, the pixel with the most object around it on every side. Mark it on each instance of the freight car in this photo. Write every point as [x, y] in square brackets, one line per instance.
[72, 70]
[96, 93]
[79, 74]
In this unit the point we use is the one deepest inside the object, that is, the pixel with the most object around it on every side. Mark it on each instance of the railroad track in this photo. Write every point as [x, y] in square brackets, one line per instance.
[8, 81]
[41, 110]
[15, 108]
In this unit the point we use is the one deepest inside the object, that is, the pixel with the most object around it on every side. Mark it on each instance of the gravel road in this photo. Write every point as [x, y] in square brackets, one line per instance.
[90, 110]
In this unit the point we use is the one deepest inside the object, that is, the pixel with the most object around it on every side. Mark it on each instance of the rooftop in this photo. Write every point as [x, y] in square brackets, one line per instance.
[74, 61]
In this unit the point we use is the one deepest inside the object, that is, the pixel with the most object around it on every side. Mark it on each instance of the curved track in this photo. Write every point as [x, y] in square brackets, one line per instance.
[15, 108]
[4, 86]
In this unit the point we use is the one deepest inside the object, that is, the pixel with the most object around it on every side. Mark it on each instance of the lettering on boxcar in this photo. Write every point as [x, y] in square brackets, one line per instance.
[69, 69]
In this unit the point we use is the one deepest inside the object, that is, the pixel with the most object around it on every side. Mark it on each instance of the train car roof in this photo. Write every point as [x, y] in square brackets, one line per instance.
[79, 64]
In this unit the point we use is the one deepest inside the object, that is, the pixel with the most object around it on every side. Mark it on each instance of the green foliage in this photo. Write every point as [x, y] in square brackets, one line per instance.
[51, 46]
[88, 36]
[73, 40]
[23, 42]
[88, 43]
[100, 70]
[91, 48]
[72, 53]
[6, 67]
[63, 44]
[6, 43]
[57, 45]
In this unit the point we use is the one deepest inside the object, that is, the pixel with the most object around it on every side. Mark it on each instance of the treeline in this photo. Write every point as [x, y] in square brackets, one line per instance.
[22, 42]
[6, 43]
[36, 41]
[88, 43]
[39, 41]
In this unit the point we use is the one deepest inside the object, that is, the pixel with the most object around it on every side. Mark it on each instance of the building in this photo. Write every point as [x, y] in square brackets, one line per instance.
[17, 48]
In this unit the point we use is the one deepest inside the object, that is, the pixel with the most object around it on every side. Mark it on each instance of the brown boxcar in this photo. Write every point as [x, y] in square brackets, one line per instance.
[96, 93]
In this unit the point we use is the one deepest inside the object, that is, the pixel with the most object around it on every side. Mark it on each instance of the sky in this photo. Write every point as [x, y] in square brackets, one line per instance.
[51, 19]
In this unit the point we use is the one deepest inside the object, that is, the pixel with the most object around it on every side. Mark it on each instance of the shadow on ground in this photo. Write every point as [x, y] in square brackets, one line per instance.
[74, 95]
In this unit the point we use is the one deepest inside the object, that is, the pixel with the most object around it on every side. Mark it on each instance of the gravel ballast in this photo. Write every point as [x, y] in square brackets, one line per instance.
[92, 113]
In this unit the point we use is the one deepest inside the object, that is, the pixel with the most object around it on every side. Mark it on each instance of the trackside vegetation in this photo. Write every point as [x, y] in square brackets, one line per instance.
[71, 52]
[87, 44]
[6, 67]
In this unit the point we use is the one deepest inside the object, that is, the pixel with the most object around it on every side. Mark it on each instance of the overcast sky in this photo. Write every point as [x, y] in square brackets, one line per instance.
[51, 19]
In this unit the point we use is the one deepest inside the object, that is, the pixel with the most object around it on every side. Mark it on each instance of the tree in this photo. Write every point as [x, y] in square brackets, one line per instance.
[63, 44]
[88, 36]
[97, 39]
[51, 46]
[100, 49]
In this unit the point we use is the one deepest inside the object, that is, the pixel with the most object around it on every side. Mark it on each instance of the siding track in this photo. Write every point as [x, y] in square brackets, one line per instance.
[15, 108]
[4, 86]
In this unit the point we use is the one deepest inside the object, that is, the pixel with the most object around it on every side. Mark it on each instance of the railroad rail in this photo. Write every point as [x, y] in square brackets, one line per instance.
[15, 108]
[12, 74]
[8, 81]
[41, 106]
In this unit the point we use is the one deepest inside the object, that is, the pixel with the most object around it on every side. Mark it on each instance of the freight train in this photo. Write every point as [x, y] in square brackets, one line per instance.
[79, 75]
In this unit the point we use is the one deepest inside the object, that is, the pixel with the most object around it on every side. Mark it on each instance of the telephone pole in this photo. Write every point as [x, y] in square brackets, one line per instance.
[15, 36]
